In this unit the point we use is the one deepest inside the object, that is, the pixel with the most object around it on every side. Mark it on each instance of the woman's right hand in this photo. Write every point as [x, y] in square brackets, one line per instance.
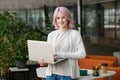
[42, 62]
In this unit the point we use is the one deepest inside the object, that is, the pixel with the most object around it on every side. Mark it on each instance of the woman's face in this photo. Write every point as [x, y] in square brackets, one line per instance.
[61, 20]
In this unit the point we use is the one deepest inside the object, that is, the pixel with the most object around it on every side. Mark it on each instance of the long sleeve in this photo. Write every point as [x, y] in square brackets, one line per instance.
[67, 45]
[78, 49]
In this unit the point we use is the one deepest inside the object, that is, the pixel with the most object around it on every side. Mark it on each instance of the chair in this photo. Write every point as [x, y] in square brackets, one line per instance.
[101, 57]
[41, 72]
[96, 60]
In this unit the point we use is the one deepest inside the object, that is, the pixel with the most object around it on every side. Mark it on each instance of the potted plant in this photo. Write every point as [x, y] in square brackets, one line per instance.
[20, 46]
[23, 34]
[6, 48]
[20, 60]
[78, 26]
[13, 40]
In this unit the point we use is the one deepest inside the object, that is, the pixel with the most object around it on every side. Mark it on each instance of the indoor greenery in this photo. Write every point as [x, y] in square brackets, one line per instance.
[13, 40]
[6, 48]
[48, 24]
[77, 25]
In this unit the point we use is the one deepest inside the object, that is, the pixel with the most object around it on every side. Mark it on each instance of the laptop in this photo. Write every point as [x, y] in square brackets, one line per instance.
[41, 50]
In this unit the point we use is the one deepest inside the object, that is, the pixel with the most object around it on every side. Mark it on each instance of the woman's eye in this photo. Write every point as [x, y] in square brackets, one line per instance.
[63, 17]
[57, 18]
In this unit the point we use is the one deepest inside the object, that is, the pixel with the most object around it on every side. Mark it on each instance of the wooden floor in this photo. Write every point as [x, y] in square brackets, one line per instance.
[102, 47]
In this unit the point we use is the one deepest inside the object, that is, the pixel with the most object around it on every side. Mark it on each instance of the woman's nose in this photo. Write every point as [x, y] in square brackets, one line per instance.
[61, 20]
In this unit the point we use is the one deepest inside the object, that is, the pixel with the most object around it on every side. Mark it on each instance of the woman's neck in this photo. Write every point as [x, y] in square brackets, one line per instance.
[64, 29]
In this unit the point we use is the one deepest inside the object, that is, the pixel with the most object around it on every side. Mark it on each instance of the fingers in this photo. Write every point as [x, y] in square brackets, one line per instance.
[55, 56]
[42, 62]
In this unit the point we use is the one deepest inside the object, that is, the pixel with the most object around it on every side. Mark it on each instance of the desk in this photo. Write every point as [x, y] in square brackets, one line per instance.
[41, 74]
[24, 71]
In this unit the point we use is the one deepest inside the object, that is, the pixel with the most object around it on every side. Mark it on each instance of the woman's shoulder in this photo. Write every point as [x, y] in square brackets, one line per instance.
[75, 35]
[53, 33]
[74, 32]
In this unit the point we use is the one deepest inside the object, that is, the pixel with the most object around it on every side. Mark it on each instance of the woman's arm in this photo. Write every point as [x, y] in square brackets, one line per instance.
[79, 49]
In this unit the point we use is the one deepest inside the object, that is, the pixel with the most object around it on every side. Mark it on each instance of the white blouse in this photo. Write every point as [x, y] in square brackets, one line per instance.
[68, 44]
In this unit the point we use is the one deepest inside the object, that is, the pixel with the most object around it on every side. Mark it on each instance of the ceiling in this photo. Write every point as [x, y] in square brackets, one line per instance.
[24, 4]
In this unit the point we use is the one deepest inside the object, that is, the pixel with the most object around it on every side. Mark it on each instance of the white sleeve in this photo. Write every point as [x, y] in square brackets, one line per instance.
[50, 37]
[78, 53]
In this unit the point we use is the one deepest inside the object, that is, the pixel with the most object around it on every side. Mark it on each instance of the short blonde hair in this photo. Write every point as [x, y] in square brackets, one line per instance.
[67, 14]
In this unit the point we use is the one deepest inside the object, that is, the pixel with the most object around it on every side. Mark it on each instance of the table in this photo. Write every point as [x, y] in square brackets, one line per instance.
[24, 72]
[109, 75]
[41, 74]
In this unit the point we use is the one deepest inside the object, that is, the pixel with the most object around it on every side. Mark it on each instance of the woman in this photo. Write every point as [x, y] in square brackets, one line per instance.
[67, 44]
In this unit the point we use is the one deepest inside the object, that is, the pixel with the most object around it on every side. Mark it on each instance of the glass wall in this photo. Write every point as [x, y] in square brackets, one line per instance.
[37, 18]
[111, 23]
[101, 19]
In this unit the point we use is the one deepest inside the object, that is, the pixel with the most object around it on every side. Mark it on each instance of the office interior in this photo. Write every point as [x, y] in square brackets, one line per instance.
[99, 20]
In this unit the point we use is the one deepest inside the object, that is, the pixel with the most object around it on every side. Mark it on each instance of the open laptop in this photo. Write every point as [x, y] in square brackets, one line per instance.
[41, 50]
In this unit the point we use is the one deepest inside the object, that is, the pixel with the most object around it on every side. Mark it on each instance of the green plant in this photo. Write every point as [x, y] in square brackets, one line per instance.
[13, 40]
[47, 19]
[20, 57]
[48, 25]
[77, 25]
[6, 48]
